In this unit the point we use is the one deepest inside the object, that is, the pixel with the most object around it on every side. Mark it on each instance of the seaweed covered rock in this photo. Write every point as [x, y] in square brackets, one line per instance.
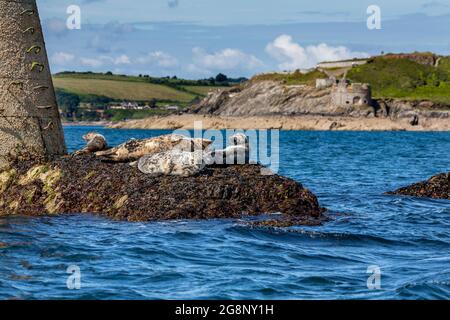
[437, 187]
[87, 185]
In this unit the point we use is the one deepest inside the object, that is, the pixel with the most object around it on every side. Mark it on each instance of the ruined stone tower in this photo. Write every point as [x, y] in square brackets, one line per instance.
[356, 94]
[29, 117]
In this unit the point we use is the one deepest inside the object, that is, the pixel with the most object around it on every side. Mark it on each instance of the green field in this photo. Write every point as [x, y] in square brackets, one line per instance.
[81, 95]
[201, 90]
[121, 90]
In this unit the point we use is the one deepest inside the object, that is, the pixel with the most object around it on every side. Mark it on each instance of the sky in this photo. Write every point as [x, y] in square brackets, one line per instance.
[200, 38]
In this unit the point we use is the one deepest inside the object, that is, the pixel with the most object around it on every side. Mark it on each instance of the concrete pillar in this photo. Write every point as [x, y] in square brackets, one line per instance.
[29, 118]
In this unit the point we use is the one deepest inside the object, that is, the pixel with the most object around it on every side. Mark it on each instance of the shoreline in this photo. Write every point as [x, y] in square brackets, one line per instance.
[287, 123]
[86, 123]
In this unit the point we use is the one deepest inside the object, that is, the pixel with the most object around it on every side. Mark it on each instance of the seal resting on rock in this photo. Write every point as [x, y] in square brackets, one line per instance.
[86, 184]
[172, 162]
[95, 142]
[237, 153]
[135, 149]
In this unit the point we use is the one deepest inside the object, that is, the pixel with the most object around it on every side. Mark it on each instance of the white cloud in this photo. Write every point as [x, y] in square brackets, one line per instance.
[227, 59]
[105, 60]
[193, 69]
[159, 58]
[62, 58]
[123, 59]
[291, 55]
[93, 63]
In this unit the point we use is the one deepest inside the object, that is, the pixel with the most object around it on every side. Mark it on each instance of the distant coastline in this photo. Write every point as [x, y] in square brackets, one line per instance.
[392, 92]
[86, 123]
[307, 123]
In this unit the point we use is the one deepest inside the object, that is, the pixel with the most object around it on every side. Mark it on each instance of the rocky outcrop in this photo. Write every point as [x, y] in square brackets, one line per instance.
[86, 185]
[437, 187]
[270, 98]
[401, 109]
[427, 59]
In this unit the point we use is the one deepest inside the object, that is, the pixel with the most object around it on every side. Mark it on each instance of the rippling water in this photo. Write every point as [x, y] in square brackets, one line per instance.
[408, 238]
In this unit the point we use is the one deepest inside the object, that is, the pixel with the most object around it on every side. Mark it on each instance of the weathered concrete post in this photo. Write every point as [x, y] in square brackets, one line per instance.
[29, 117]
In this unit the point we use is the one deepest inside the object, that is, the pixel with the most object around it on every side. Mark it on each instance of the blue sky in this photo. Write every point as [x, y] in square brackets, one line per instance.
[199, 38]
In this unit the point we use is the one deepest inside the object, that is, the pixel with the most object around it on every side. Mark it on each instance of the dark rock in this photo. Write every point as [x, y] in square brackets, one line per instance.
[87, 185]
[414, 121]
[438, 187]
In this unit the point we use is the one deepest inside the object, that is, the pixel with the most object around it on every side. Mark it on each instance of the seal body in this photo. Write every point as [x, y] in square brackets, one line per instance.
[232, 155]
[95, 142]
[237, 153]
[173, 162]
[135, 149]
[240, 139]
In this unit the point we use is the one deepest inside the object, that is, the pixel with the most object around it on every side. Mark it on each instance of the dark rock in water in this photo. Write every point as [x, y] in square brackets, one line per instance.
[438, 187]
[87, 185]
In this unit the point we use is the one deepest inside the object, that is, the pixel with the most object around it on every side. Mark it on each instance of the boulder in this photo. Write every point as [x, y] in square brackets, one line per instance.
[437, 187]
[85, 184]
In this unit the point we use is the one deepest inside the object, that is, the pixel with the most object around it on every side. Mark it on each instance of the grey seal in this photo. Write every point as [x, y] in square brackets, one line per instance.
[135, 149]
[172, 162]
[95, 142]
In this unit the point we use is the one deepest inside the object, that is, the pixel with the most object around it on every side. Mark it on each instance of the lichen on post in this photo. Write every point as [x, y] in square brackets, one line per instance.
[29, 118]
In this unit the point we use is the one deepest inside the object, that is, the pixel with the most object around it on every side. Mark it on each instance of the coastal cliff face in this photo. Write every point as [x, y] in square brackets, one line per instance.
[270, 98]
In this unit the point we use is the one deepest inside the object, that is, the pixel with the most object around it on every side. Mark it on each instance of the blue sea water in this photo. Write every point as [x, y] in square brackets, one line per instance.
[407, 238]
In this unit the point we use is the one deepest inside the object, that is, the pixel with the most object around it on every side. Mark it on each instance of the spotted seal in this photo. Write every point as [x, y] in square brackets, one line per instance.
[173, 162]
[237, 153]
[135, 149]
[95, 142]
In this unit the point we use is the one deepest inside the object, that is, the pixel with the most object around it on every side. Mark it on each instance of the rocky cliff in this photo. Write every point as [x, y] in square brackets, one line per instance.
[271, 98]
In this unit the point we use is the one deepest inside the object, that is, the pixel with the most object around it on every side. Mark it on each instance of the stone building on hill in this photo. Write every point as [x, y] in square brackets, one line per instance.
[344, 93]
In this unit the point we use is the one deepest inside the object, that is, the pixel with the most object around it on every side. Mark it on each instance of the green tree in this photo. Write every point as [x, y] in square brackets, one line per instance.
[152, 103]
[221, 78]
[67, 102]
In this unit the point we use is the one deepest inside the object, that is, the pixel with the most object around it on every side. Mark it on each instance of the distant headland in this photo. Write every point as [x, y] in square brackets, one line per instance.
[408, 91]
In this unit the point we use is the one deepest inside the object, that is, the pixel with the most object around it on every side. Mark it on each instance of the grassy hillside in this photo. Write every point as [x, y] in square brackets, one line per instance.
[294, 78]
[444, 65]
[201, 90]
[402, 78]
[122, 90]
[75, 91]
[138, 88]
[390, 76]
